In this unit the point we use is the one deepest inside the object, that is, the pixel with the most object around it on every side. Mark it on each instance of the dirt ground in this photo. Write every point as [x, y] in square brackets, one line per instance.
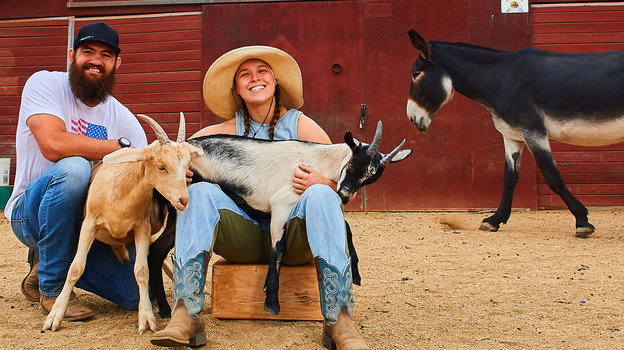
[425, 285]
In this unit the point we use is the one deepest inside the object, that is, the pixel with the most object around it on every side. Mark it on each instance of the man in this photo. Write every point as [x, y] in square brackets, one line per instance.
[67, 120]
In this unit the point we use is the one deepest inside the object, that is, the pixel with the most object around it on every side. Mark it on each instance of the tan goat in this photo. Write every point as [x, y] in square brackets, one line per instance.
[118, 207]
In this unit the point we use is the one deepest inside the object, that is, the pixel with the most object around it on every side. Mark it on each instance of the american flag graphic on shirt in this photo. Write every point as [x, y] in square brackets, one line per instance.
[95, 131]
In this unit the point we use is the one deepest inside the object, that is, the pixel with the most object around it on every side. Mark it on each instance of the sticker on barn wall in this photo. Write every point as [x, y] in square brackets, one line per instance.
[514, 6]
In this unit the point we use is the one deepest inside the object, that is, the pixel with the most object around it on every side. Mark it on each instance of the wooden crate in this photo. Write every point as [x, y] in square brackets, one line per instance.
[237, 292]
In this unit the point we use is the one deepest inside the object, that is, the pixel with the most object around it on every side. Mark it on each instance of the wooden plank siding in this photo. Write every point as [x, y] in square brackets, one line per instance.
[594, 175]
[160, 74]
[25, 47]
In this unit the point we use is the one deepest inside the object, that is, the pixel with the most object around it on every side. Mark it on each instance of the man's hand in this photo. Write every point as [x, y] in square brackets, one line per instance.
[308, 177]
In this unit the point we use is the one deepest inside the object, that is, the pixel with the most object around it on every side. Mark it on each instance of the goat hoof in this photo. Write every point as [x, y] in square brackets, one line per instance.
[149, 326]
[273, 308]
[164, 311]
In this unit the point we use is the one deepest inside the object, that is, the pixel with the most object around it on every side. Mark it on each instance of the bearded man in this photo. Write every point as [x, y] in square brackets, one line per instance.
[67, 121]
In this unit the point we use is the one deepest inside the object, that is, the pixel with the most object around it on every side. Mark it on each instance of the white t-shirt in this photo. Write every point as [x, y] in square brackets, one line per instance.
[50, 93]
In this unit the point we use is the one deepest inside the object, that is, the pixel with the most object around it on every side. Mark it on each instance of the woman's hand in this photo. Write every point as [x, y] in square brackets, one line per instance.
[308, 177]
[189, 177]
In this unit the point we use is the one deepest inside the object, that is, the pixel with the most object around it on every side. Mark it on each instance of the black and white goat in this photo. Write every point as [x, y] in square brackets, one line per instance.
[260, 173]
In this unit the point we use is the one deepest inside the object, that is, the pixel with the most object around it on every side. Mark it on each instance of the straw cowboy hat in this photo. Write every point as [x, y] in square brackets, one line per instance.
[219, 92]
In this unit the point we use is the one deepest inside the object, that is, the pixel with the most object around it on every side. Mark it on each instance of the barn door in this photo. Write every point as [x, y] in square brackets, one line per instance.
[355, 57]
[327, 44]
[594, 175]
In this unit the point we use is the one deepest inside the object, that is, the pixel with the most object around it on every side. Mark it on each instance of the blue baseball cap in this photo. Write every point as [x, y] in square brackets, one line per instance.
[98, 32]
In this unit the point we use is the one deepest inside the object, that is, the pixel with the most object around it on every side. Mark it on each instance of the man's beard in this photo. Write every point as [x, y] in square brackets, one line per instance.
[87, 90]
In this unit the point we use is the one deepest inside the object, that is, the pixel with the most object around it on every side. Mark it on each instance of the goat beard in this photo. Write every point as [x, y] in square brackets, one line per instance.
[87, 90]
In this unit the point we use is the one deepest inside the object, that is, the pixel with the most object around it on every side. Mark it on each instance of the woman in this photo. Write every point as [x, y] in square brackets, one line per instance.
[258, 89]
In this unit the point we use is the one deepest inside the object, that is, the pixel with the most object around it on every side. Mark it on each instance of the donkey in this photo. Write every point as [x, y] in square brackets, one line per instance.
[533, 95]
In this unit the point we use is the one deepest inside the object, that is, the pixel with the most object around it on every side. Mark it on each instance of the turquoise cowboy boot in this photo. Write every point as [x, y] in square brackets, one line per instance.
[186, 327]
[335, 288]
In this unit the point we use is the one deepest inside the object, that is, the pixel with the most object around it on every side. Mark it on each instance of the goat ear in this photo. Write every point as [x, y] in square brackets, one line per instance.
[194, 151]
[354, 144]
[125, 155]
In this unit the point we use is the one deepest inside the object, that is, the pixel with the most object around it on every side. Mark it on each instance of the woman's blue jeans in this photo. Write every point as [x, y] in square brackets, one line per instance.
[318, 208]
[47, 218]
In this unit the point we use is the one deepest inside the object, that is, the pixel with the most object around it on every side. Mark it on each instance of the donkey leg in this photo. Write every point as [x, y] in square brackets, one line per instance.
[513, 155]
[544, 158]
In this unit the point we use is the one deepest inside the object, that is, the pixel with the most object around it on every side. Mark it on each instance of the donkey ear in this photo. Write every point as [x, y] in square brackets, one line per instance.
[125, 155]
[420, 44]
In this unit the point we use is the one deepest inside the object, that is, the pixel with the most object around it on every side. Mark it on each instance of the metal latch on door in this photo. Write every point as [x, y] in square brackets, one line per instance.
[363, 114]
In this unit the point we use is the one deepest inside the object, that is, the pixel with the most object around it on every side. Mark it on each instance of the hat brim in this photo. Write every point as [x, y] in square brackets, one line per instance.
[218, 91]
[115, 49]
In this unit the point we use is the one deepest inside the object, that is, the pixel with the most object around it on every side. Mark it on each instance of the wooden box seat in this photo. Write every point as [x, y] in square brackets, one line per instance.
[237, 292]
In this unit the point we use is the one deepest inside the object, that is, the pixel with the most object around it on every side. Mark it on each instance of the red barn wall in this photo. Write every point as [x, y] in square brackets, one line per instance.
[352, 53]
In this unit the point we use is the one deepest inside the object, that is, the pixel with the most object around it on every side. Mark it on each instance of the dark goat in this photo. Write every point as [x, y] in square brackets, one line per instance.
[162, 246]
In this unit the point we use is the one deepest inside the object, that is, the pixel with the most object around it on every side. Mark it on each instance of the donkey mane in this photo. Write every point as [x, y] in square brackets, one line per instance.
[448, 52]
[464, 45]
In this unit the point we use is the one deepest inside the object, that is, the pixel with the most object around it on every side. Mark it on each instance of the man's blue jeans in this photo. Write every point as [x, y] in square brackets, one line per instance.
[47, 218]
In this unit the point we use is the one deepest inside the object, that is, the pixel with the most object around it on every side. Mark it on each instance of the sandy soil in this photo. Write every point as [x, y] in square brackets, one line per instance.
[425, 285]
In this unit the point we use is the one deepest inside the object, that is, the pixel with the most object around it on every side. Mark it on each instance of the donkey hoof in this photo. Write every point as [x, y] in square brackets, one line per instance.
[486, 226]
[273, 308]
[584, 232]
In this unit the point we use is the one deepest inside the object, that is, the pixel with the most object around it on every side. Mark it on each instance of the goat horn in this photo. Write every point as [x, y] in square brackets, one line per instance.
[374, 146]
[158, 130]
[388, 157]
[181, 129]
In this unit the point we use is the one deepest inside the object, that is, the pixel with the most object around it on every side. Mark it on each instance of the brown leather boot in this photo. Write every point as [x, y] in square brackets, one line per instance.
[182, 330]
[75, 310]
[30, 283]
[342, 336]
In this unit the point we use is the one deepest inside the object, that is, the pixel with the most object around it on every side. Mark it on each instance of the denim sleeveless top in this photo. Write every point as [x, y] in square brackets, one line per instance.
[285, 129]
